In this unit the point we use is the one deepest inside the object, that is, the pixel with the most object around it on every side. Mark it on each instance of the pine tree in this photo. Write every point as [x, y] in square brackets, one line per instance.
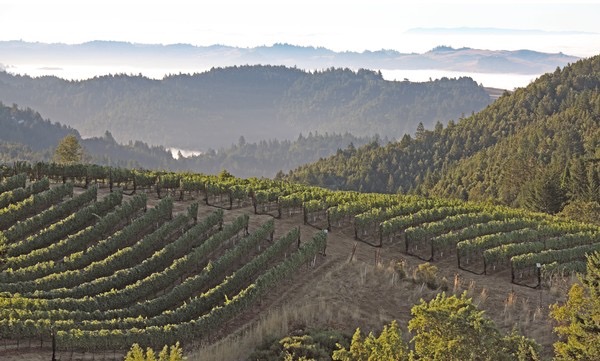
[388, 346]
[579, 317]
[545, 193]
[593, 185]
[68, 151]
[578, 188]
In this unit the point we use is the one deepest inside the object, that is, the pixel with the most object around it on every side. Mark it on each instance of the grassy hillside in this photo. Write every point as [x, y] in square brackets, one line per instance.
[538, 143]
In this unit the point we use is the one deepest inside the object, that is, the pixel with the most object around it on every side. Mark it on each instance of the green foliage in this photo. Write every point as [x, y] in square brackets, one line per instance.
[224, 175]
[313, 345]
[68, 151]
[579, 210]
[173, 353]
[387, 346]
[452, 328]
[520, 348]
[545, 193]
[428, 274]
[579, 317]
[400, 268]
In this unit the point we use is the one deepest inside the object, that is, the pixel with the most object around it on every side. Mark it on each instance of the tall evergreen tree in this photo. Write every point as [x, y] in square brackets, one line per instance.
[579, 187]
[593, 185]
[68, 151]
[545, 193]
[579, 317]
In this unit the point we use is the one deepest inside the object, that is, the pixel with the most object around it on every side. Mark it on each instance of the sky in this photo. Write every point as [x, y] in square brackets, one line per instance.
[338, 25]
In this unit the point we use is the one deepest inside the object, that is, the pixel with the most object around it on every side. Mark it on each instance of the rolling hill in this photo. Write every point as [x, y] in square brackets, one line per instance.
[536, 147]
[165, 257]
[213, 109]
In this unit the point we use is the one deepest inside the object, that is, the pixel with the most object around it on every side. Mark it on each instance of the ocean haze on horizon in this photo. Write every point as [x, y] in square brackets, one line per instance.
[73, 62]
[353, 25]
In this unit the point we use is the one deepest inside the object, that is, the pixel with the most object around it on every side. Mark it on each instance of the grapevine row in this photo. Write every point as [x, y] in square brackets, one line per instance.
[33, 204]
[53, 214]
[19, 194]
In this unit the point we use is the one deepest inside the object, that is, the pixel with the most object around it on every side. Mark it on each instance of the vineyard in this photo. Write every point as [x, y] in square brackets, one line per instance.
[87, 264]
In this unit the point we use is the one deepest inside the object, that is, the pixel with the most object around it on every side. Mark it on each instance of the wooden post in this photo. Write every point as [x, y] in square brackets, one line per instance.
[484, 266]
[512, 273]
[53, 344]
[353, 251]
[110, 180]
[432, 249]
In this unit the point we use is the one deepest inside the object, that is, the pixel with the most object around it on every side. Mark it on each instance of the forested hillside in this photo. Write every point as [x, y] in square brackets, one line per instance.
[267, 158]
[26, 136]
[537, 147]
[213, 109]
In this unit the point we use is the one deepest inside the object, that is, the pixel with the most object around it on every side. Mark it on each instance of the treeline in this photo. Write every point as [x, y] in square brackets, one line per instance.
[213, 109]
[536, 147]
[26, 136]
[268, 158]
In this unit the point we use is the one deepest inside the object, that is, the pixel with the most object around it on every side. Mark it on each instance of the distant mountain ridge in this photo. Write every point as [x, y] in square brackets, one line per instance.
[213, 109]
[186, 56]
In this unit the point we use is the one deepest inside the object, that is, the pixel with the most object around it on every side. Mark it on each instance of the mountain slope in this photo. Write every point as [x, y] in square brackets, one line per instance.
[539, 133]
[213, 109]
[27, 136]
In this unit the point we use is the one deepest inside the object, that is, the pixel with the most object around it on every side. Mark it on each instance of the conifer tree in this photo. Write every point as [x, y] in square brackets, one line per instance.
[579, 317]
[68, 151]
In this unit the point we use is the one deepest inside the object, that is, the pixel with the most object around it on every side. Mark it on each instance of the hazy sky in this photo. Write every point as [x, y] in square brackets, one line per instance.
[338, 25]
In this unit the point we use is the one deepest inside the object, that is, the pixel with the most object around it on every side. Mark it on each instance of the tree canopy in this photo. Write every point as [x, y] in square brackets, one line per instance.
[579, 317]
[68, 151]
